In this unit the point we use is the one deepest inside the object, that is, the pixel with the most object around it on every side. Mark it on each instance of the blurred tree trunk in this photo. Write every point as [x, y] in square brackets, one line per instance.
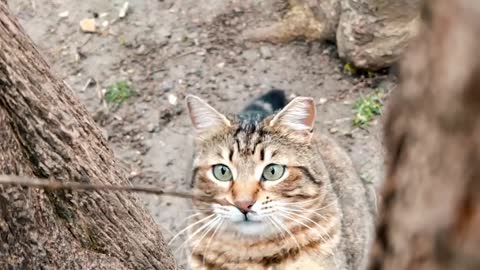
[45, 132]
[431, 209]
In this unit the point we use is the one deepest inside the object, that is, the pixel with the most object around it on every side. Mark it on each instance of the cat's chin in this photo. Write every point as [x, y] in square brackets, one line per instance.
[252, 227]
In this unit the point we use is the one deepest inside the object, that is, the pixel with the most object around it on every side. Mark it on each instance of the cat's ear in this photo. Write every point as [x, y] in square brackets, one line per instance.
[204, 117]
[298, 115]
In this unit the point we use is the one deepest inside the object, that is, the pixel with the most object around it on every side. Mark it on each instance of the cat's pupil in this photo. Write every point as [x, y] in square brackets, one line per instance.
[272, 170]
[223, 170]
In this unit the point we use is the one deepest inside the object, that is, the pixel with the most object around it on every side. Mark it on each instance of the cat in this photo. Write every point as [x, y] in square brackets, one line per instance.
[292, 197]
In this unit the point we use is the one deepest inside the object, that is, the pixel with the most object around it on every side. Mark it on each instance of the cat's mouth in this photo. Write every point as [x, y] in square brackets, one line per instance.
[248, 220]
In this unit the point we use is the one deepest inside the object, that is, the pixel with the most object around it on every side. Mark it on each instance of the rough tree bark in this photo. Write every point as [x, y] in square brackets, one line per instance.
[45, 132]
[431, 207]
[370, 34]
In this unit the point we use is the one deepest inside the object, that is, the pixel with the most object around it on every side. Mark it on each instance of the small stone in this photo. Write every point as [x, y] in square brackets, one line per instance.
[265, 52]
[151, 128]
[250, 55]
[322, 101]
[333, 130]
[88, 25]
[123, 11]
[164, 34]
[63, 14]
[221, 65]
[166, 86]
[141, 49]
[172, 99]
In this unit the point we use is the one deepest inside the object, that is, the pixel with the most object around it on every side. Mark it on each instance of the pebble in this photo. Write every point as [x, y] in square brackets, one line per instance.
[265, 52]
[141, 49]
[250, 55]
[333, 130]
[123, 11]
[88, 25]
[63, 14]
[322, 101]
[151, 128]
[172, 99]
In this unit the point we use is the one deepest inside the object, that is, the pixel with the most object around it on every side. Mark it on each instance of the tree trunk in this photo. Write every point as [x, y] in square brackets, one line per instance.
[45, 132]
[431, 208]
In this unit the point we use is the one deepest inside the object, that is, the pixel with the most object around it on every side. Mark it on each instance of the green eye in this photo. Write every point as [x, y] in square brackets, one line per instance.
[222, 172]
[273, 172]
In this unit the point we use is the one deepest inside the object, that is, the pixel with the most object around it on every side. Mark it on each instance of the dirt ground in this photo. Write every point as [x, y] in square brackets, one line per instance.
[166, 49]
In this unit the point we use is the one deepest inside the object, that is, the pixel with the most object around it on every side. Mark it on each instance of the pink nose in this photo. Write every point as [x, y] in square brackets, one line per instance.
[244, 206]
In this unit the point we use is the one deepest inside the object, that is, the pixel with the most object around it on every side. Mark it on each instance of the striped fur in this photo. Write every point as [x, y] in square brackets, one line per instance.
[300, 221]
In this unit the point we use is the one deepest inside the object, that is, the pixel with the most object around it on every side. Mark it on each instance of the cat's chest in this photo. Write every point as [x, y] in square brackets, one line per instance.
[306, 262]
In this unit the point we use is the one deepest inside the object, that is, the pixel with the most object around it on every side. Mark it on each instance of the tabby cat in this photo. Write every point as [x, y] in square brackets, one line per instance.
[292, 198]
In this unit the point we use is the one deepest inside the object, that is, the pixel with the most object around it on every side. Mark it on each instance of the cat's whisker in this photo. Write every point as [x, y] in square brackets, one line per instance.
[300, 202]
[214, 223]
[320, 208]
[325, 233]
[286, 215]
[191, 236]
[212, 237]
[307, 218]
[303, 210]
[190, 217]
[277, 227]
[188, 227]
[285, 228]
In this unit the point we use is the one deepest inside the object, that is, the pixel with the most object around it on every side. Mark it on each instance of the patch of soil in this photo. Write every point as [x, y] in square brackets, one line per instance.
[166, 49]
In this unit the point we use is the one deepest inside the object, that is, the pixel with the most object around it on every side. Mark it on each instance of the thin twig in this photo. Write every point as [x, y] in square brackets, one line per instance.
[13, 180]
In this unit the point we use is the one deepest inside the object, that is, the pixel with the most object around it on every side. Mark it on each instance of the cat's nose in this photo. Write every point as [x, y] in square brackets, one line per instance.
[244, 206]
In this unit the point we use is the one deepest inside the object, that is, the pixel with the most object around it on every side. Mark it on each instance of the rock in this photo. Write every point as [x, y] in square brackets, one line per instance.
[88, 25]
[123, 11]
[141, 49]
[250, 55]
[152, 128]
[333, 130]
[322, 101]
[164, 34]
[370, 34]
[369, 44]
[265, 52]
[166, 86]
[172, 99]
[64, 14]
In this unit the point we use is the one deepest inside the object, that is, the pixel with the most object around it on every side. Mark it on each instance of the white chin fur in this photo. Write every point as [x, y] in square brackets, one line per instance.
[256, 225]
[252, 227]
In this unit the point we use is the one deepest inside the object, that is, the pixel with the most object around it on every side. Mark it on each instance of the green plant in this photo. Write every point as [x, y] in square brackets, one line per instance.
[118, 92]
[366, 108]
[349, 68]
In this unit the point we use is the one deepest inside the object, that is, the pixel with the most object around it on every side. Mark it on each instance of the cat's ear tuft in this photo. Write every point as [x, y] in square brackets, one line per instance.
[204, 117]
[298, 115]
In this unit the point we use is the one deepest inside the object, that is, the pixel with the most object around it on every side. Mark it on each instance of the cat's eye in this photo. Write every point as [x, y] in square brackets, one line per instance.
[273, 172]
[222, 172]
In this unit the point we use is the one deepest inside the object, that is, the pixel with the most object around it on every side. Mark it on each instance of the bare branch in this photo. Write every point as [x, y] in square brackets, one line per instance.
[13, 180]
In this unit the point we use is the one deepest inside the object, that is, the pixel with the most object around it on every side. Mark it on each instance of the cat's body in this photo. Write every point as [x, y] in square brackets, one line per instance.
[293, 198]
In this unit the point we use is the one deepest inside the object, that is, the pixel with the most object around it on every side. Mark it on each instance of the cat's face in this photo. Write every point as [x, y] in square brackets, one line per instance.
[262, 169]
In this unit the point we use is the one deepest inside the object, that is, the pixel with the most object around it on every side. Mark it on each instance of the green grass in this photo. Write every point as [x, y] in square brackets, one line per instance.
[350, 69]
[366, 108]
[118, 92]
